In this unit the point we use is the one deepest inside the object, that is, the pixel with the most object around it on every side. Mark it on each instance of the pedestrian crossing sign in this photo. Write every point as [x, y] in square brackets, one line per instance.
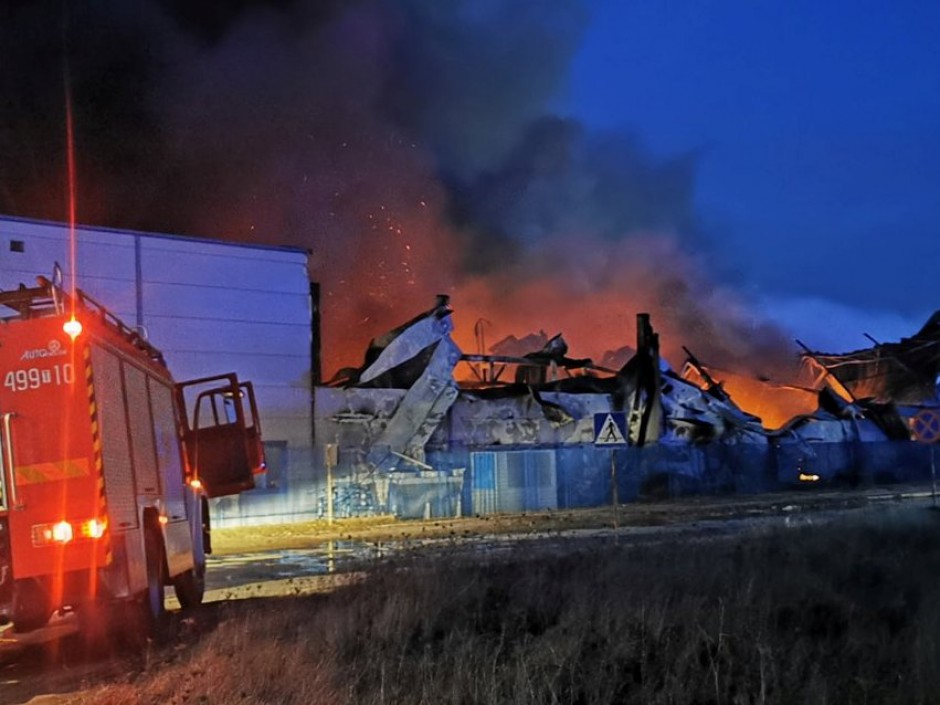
[610, 429]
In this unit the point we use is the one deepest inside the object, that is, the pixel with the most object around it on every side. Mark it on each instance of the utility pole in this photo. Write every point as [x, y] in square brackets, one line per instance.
[332, 456]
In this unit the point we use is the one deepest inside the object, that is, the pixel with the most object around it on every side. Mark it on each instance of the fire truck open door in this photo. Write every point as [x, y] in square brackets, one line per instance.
[222, 433]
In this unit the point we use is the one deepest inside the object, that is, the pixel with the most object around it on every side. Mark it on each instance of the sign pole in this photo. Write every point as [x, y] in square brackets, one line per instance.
[332, 456]
[329, 494]
[933, 472]
[613, 488]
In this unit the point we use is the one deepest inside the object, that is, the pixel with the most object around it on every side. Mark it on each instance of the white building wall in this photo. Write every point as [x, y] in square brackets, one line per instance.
[211, 307]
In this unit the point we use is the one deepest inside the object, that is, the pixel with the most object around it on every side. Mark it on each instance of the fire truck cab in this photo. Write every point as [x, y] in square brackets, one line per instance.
[103, 475]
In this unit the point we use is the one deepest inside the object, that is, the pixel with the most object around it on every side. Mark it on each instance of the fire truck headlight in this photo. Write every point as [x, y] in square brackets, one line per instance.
[61, 532]
[43, 534]
[64, 532]
[94, 528]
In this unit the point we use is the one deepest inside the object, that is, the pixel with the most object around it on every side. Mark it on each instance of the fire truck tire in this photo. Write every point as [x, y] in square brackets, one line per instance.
[153, 610]
[29, 622]
[31, 609]
[190, 587]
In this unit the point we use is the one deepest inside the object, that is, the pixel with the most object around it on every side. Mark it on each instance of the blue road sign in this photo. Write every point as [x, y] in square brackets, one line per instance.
[610, 429]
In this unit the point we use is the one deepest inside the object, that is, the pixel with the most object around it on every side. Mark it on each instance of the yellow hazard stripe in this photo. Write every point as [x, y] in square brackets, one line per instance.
[96, 448]
[51, 472]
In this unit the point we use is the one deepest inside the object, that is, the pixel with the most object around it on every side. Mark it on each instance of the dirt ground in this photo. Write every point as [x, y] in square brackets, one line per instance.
[266, 562]
[381, 531]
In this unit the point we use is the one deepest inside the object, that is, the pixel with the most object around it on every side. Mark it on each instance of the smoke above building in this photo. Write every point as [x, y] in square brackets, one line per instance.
[409, 144]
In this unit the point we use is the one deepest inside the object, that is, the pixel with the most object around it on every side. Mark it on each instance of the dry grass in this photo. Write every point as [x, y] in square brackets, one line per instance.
[843, 614]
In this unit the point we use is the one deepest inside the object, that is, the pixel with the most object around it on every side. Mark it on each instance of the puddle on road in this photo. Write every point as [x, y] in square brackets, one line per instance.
[346, 556]
[331, 557]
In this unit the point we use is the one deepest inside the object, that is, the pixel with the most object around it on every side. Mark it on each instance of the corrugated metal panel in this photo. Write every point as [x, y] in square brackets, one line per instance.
[138, 409]
[513, 481]
[115, 448]
[483, 479]
[213, 335]
[99, 258]
[97, 234]
[427, 494]
[203, 266]
[206, 246]
[182, 300]
[509, 484]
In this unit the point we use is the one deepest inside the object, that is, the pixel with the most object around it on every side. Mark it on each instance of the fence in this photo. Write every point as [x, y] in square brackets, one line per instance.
[516, 479]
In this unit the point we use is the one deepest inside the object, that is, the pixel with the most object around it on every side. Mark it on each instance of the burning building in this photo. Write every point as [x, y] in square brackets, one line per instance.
[423, 429]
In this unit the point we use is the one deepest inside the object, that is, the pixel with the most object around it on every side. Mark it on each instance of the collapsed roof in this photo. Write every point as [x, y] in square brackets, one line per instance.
[905, 372]
[420, 357]
[655, 396]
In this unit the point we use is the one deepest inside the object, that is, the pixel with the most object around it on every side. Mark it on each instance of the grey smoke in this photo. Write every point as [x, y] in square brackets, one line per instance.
[408, 143]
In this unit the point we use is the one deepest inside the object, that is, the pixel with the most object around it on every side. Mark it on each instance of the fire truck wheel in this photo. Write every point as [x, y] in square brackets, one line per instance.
[31, 609]
[154, 611]
[190, 587]
[29, 622]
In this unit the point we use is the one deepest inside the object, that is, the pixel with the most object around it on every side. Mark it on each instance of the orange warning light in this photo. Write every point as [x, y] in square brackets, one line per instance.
[73, 327]
[94, 528]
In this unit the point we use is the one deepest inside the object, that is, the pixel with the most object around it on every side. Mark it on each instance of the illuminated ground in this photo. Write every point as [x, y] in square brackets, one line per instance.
[272, 561]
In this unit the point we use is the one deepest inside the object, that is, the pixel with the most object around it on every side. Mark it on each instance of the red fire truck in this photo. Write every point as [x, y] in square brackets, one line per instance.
[103, 475]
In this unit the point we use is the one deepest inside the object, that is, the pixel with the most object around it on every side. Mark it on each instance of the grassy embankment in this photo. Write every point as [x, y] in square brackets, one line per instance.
[849, 613]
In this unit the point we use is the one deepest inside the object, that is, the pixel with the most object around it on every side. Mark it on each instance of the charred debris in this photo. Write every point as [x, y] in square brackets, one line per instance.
[422, 428]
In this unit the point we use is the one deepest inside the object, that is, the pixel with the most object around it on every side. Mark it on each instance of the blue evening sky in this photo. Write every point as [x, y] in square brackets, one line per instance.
[817, 126]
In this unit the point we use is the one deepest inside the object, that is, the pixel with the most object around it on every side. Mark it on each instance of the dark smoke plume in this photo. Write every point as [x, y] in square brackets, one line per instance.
[407, 143]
